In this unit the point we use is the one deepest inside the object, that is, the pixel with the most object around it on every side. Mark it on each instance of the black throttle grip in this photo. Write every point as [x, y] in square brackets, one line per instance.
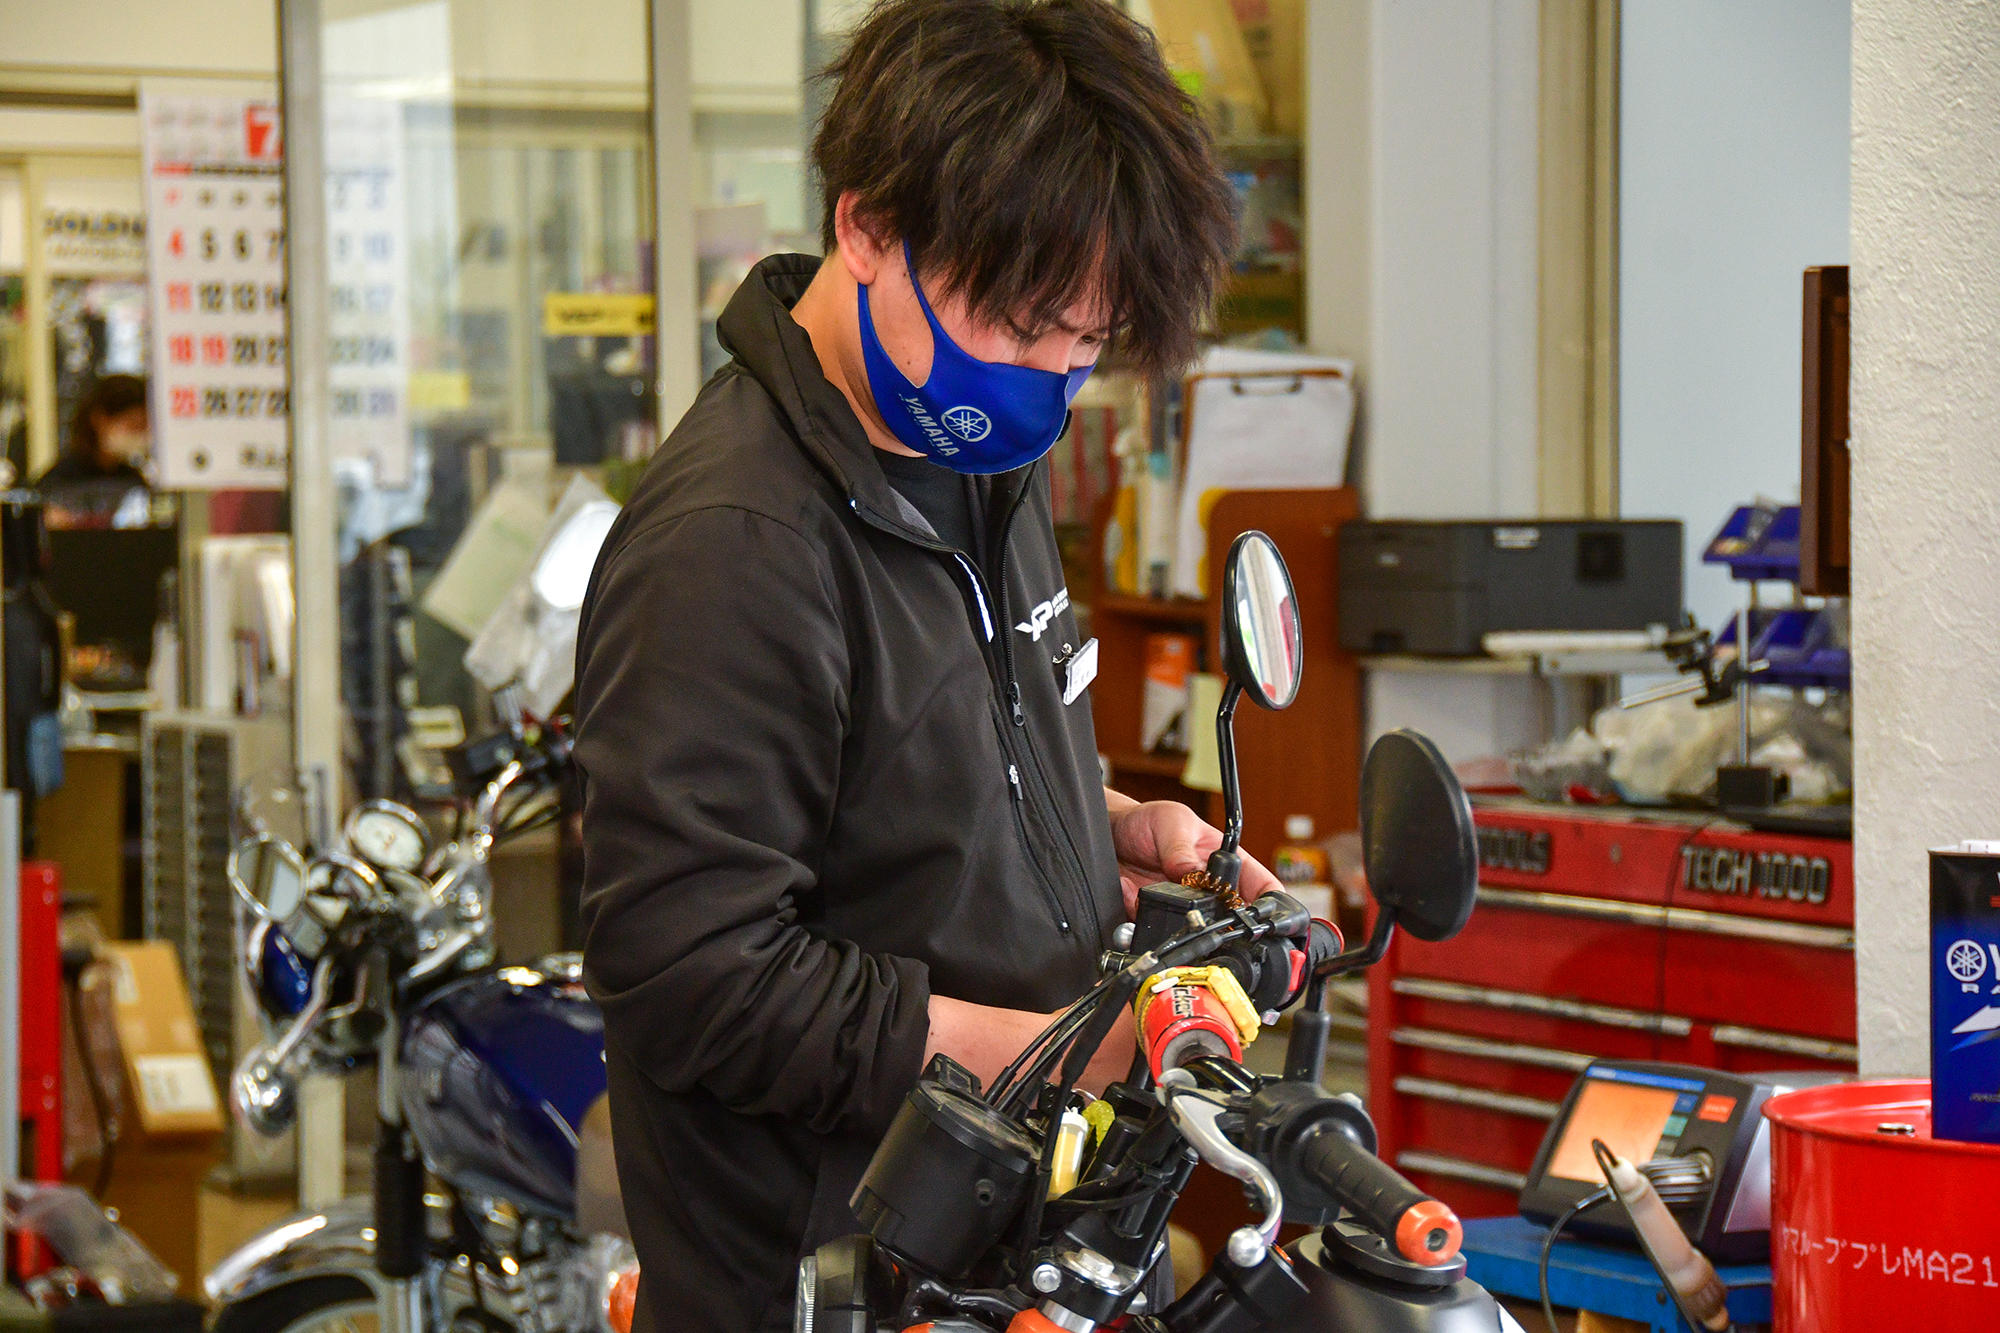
[1422, 1230]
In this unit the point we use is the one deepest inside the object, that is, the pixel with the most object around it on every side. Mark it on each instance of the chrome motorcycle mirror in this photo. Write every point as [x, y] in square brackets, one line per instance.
[1262, 650]
[268, 874]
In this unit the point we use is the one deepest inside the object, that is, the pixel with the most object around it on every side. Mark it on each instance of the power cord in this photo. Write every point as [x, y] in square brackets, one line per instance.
[1590, 1200]
[1677, 1180]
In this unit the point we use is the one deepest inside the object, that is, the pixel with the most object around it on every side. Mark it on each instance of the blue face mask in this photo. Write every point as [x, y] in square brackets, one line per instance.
[970, 415]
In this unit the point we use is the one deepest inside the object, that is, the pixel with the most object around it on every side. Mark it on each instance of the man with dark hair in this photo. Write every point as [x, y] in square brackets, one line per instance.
[841, 799]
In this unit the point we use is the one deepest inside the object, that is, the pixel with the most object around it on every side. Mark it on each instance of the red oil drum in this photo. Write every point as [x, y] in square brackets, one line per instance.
[1875, 1224]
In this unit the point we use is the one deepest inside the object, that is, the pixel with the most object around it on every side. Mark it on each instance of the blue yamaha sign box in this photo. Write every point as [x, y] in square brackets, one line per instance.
[1965, 992]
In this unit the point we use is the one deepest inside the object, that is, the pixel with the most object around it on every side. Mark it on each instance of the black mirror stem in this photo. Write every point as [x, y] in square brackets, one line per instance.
[1232, 792]
[1366, 956]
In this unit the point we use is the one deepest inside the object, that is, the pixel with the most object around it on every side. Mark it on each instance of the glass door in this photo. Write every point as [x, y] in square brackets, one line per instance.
[470, 221]
[476, 340]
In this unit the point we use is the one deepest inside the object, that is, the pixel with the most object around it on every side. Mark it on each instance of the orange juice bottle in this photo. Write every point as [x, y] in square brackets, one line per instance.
[1302, 866]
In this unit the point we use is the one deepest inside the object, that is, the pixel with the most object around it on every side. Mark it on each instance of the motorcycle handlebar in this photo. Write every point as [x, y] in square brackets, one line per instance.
[1422, 1230]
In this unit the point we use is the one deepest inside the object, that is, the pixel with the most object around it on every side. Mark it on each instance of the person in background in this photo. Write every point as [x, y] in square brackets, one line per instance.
[100, 481]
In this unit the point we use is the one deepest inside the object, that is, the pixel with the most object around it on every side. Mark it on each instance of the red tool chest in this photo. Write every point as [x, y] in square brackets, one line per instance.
[41, 1017]
[1602, 933]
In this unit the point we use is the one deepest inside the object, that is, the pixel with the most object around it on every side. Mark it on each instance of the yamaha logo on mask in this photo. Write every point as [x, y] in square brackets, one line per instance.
[968, 423]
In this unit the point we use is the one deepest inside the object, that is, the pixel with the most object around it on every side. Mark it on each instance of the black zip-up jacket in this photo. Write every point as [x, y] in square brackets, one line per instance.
[827, 772]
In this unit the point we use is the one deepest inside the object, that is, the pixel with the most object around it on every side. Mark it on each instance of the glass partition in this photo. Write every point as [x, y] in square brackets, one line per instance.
[487, 232]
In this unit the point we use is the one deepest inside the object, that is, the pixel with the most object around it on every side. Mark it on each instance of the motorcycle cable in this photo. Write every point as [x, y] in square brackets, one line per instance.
[1060, 1029]
[1118, 991]
[1073, 1025]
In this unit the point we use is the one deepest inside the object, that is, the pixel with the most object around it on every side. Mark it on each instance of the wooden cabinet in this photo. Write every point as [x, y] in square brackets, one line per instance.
[1303, 761]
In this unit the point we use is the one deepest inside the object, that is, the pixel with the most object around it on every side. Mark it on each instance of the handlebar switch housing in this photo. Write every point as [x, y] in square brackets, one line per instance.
[1278, 1123]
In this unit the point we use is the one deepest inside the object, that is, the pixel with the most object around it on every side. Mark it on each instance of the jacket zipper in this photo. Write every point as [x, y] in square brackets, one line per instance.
[1021, 826]
[1013, 753]
[1020, 718]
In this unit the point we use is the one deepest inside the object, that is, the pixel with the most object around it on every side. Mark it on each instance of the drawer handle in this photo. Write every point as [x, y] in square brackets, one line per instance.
[1437, 1090]
[1691, 919]
[1452, 1043]
[1457, 1168]
[1784, 1043]
[1605, 1015]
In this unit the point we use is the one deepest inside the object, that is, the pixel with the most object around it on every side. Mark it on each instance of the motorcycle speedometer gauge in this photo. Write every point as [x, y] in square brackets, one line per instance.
[387, 835]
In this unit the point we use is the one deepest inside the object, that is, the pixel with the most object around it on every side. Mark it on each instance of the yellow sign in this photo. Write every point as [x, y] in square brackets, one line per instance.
[596, 314]
[440, 391]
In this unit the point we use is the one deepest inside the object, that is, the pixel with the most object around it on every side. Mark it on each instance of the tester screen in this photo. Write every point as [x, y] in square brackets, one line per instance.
[1631, 1118]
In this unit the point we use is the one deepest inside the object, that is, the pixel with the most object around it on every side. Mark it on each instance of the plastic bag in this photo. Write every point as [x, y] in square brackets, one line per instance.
[1669, 751]
[530, 641]
[85, 1238]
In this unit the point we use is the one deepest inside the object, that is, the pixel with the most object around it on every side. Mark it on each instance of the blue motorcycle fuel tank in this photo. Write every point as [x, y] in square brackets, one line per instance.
[499, 1070]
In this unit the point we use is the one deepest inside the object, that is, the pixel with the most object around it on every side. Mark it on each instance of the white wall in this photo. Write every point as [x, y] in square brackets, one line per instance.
[1449, 385]
[746, 54]
[1451, 403]
[1925, 403]
[1732, 180]
[227, 37]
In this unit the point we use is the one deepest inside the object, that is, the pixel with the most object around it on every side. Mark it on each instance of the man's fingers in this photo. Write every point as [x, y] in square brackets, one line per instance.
[1179, 856]
[1256, 880]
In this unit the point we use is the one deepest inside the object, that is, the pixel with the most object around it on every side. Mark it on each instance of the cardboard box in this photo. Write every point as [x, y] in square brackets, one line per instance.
[168, 1084]
[1204, 48]
[171, 1136]
[1274, 35]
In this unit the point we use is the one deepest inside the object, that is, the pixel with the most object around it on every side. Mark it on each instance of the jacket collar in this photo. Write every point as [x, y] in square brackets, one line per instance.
[757, 328]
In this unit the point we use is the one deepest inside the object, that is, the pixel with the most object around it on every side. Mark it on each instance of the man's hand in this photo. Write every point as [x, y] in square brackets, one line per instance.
[1164, 840]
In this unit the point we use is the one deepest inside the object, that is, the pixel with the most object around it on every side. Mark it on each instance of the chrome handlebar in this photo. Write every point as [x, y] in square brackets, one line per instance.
[264, 1089]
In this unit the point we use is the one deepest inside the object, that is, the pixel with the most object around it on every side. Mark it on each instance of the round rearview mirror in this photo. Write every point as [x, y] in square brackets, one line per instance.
[1262, 650]
[1416, 836]
[268, 874]
[562, 572]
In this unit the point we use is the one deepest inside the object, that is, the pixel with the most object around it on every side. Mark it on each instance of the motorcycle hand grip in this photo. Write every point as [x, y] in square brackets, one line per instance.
[1420, 1228]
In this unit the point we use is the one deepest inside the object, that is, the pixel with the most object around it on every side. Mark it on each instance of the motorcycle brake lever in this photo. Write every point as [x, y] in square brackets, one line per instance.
[1195, 1114]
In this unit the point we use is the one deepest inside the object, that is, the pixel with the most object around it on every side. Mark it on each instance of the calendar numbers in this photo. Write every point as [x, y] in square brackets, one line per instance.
[217, 271]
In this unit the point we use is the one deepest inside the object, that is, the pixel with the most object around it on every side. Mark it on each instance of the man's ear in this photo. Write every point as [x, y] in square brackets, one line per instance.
[863, 248]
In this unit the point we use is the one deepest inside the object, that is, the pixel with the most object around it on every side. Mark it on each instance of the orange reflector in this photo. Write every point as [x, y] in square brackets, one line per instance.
[620, 1301]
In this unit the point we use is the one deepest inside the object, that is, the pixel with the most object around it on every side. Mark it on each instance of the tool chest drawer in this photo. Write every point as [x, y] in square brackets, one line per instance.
[1602, 934]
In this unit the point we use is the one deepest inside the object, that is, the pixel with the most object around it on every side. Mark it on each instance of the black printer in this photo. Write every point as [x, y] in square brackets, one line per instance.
[1437, 588]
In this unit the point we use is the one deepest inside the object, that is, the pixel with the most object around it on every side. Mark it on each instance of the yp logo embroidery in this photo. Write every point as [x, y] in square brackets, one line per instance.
[1040, 618]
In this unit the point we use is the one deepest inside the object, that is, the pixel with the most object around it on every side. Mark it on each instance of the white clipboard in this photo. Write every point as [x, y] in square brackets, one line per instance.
[1256, 421]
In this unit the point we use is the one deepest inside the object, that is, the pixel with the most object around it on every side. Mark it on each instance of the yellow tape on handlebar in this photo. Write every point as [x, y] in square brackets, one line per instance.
[1217, 979]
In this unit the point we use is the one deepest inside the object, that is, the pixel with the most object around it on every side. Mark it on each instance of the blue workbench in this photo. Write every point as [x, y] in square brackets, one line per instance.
[1502, 1255]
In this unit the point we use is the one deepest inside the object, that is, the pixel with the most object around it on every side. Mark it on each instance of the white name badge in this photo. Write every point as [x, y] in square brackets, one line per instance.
[1079, 672]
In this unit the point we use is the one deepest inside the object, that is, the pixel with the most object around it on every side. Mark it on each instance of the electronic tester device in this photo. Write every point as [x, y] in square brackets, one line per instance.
[1645, 1111]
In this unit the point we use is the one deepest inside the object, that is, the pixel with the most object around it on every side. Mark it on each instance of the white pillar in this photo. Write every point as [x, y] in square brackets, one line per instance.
[1925, 405]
